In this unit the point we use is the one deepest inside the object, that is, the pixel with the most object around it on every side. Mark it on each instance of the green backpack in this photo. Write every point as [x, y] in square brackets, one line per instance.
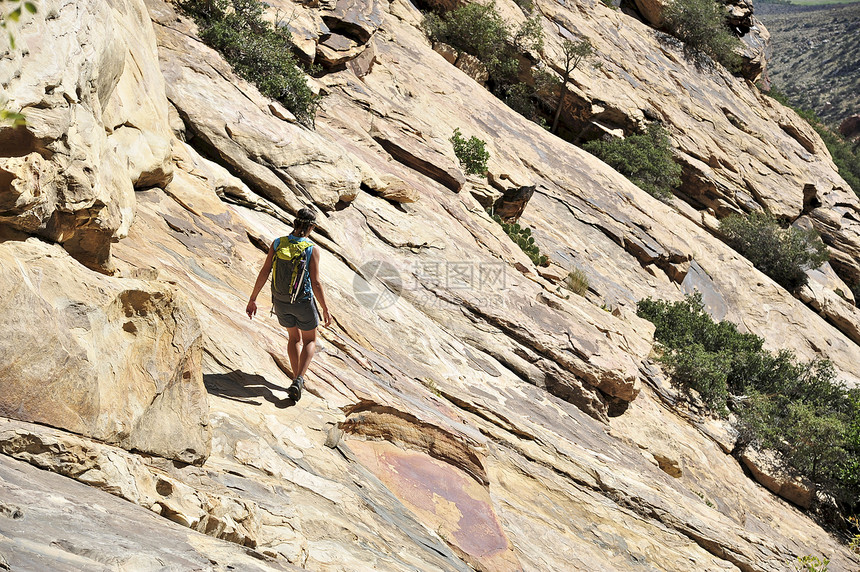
[290, 270]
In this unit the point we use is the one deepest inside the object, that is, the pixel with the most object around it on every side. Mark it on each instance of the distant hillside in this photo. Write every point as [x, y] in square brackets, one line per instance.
[816, 56]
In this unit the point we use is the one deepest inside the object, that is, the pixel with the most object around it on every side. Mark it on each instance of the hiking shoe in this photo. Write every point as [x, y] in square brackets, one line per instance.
[294, 391]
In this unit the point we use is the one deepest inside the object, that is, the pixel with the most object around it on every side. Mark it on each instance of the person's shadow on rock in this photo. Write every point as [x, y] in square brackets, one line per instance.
[245, 388]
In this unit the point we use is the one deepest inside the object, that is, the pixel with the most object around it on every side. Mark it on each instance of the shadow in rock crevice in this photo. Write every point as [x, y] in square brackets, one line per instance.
[245, 388]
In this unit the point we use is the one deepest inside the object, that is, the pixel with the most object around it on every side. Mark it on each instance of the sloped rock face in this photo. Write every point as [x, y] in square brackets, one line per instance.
[288, 171]
[96, 125]
[125, 475]
[464, 412]
[115, 360]
[740, 19]
[56, 523]
[766, 470]
[740, 150]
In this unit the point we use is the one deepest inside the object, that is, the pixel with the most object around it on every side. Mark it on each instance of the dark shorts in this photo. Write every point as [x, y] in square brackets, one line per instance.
[302, 315]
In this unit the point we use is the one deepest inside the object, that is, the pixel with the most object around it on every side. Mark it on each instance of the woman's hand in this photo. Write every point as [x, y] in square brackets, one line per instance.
[326, 318]
[251, 309]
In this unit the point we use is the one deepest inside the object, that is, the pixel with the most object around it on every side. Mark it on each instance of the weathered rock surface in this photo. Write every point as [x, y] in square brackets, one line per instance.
[463, 412]
[285, 164]
[771, 167]
[766, 469]
[417, 155]
[833, 299]
[96, 125]
[757, 50]
[117, 360]
[740, 19]
[66, 525]
[127, 476]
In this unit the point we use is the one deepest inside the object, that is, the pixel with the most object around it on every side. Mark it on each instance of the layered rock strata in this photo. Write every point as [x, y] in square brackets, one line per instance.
[465, 411]
[96, 125]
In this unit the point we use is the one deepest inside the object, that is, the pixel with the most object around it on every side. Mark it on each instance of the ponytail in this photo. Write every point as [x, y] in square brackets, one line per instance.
[305, 220]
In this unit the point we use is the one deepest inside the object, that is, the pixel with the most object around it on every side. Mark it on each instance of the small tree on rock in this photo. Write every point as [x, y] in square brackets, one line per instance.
[574, 53]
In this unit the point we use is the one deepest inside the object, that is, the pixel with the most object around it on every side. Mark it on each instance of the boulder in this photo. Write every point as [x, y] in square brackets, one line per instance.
[356, 20]
[335, 50]
[395, 189]
[304, 23]
[652, 11]
[362, 64]
[767, 470]
[446, 51]
[510, 206]
[740, 14]
[757, 50]
[473, 67]
[96, 125]
[415, 154]
[116, 360]
[850, 127]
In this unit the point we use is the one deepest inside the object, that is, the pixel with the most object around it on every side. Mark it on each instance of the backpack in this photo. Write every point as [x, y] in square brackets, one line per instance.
[290, 269]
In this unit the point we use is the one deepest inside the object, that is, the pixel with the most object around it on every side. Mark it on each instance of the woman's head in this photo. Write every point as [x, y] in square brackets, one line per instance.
[306, 220]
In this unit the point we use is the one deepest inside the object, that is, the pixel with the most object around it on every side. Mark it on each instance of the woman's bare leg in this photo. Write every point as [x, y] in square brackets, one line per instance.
[294, 344]
[309, 348]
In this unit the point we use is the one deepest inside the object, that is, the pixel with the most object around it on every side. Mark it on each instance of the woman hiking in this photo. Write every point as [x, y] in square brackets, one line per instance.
[294, 264]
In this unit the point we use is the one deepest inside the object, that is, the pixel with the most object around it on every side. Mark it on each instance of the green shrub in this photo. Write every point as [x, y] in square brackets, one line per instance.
[645, 159]
[701, 25]
[472, 154]
[577, 282]
[844, 153]
[791, 407]
[710, 357]
[704, 371]
[782, 254]
[854, 543]
[522, 235]
[521, 98]
[259, 51]
[811, 564]
[847, 471]
[529, 36]
[479, 30]
[801, 414]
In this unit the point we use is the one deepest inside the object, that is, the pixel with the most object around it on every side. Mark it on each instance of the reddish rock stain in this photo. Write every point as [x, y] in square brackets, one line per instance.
[418, 478]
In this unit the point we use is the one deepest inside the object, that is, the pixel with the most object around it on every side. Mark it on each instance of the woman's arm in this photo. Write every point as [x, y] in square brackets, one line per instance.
[251, 309]
[316, 285]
